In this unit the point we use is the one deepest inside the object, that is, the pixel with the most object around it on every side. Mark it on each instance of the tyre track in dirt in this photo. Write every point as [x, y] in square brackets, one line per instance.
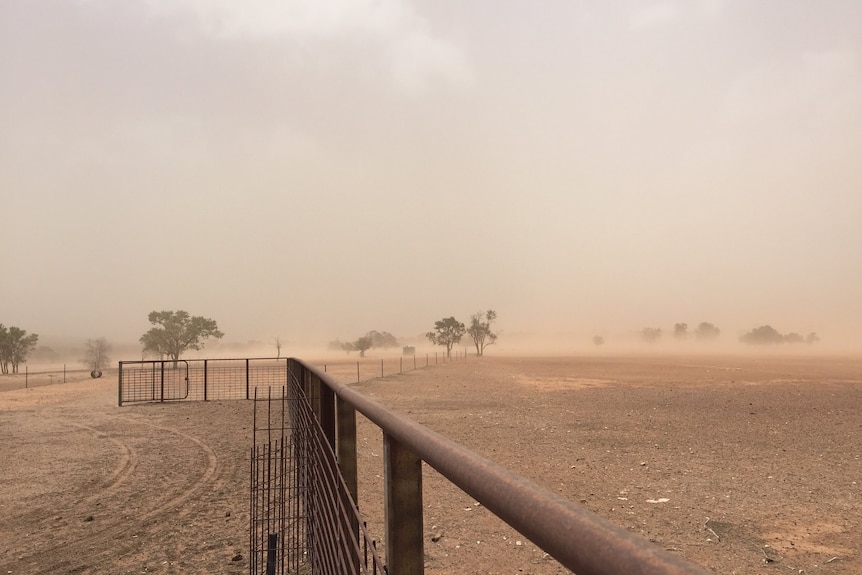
[120, 535]
[125, 468]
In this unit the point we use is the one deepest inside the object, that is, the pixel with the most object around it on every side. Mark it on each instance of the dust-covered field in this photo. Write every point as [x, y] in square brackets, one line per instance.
[741, 464]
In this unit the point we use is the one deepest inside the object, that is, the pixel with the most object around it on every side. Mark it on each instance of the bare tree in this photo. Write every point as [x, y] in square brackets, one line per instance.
[277, 342]
[96, 355]
[480, 330]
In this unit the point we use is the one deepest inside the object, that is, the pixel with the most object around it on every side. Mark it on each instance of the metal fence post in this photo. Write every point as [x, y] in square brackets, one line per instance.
[347, 463]
[405, 552]
[326, 415]
[205, 380]
[247, 395]
[119, 383]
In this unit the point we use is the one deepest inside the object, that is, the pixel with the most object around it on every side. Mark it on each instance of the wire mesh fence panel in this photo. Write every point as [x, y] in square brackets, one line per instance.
[303, 518]
[154, 381]
[198, 380]
[277, 522]
[223, 379]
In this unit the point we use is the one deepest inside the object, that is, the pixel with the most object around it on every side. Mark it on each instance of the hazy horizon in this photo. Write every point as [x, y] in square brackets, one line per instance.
[316, 170]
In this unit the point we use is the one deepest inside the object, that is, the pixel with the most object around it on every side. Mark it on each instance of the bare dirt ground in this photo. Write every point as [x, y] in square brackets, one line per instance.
[740, 464]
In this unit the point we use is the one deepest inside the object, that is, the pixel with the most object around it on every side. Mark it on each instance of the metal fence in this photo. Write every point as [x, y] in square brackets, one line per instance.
[304, 517]
[580, 540]
[217, 379]
[198, 379]
[304, 478]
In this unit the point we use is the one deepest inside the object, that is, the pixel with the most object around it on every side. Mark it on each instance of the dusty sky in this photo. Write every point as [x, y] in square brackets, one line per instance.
[317, 169]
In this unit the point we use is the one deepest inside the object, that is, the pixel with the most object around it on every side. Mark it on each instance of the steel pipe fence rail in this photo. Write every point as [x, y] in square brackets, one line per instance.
[580, 540]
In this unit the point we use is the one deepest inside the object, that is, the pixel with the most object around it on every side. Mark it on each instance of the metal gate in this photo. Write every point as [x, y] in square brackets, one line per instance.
[159, 380]
[198, 379]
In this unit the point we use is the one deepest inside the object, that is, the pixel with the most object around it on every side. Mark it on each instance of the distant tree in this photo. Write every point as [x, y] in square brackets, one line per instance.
[382, 340]
[5, 349]
[96, 354]
[447, 332]
[345, 346]
[811, 338]
[362, 345]
[793, 337]
[598, 341]
[15, 346]
[651, 334]
[174, 332]
[277, 341]
[680, 330]
[480, 330]
[706, 331]
[765, 334]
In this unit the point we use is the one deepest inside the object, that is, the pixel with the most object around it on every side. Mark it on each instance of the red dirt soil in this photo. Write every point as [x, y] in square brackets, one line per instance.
[740, 464]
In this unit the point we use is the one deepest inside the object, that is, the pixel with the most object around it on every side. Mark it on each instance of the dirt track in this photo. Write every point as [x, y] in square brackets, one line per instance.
[758, 460]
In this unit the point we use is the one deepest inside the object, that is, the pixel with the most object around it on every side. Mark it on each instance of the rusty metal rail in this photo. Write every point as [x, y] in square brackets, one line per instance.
[580, 540]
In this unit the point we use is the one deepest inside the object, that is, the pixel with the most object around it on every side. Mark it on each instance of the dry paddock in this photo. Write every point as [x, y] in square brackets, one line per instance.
[741, 464]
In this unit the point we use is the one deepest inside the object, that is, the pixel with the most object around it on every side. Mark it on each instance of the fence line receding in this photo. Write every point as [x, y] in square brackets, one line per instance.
[304, 478]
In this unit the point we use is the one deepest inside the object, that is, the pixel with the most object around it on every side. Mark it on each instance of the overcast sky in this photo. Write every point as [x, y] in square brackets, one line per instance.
[317, 169]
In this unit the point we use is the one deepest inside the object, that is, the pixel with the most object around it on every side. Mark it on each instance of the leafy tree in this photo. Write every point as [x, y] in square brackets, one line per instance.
[812, 338]
[15, 346]
[598, 341]
[96, 355]
[447, 332]
[383, 340]
[480, 330]
[362, 345]
[680, 330]
[176, 331]
[793, 337]
[706, 331]
[651, 334]
[765, 334]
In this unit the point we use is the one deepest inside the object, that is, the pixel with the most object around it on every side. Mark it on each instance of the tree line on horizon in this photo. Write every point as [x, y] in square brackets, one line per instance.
[174, 332]
[447, 333]
[705, 331]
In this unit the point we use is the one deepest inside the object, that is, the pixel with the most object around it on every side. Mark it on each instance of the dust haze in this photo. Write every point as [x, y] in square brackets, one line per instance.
[313, 171]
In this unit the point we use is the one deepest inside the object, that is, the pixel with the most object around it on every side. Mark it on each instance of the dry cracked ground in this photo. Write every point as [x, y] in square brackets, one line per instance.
[742, 464]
